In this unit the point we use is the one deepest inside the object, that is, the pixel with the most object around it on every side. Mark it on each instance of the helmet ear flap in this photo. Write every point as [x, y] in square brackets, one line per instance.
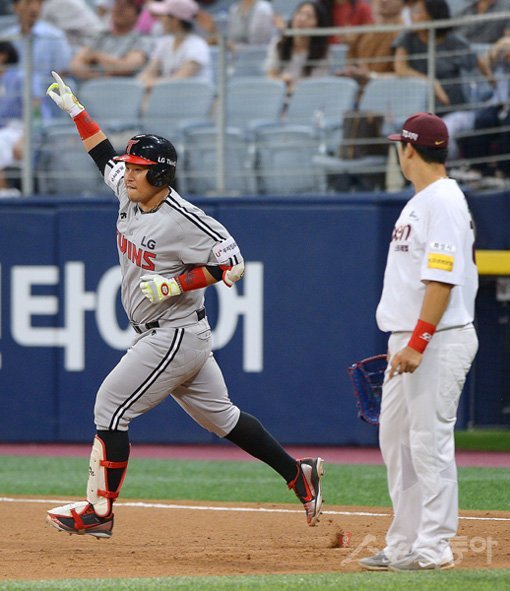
[159, 178]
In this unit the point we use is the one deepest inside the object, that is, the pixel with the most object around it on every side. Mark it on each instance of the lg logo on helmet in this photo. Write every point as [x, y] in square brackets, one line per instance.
[163, 160]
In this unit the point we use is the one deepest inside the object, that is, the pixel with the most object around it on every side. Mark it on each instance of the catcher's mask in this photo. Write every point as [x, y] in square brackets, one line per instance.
[154, 151]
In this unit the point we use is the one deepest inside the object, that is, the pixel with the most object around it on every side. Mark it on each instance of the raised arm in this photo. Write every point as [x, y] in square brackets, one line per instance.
[90, 132]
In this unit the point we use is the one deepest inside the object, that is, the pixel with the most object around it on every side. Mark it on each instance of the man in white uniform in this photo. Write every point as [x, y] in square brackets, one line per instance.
[427, 305]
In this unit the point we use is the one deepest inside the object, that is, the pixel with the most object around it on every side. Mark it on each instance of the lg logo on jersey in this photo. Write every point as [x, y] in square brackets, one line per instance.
[150, 243]
[31, 310]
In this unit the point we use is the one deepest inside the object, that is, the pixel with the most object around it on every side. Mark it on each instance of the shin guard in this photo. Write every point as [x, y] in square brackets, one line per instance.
[99, 493]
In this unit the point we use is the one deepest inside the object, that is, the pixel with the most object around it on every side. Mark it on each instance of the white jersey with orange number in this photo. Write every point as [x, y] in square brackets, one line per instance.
[433, 240]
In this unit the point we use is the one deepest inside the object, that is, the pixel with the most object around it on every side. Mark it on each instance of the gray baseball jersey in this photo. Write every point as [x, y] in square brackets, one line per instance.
[170, 240]
[175, 357]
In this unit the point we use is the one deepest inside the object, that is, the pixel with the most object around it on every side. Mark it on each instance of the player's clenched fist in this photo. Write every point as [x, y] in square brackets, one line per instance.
[157, 288]
[63, 96]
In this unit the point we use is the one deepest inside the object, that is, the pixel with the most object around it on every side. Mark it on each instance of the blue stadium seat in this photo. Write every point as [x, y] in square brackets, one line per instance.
[115, 102]
[63, 166]
[174, 104]
[284, 160]
[199, 156]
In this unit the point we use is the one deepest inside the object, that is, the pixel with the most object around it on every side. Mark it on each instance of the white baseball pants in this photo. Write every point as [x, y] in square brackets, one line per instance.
[418, 414]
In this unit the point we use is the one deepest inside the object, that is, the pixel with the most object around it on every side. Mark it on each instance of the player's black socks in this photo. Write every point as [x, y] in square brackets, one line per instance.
[117, 450]
[252, 437]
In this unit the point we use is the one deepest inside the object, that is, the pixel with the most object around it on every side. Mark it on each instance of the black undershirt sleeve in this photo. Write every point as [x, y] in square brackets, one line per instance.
[215, 271]
[102, 154]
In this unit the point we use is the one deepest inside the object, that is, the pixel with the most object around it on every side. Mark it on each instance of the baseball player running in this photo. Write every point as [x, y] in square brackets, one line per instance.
[427, 305]
[169, 252]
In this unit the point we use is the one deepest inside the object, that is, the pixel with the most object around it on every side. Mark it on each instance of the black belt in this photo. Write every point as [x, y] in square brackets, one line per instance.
[141, 328]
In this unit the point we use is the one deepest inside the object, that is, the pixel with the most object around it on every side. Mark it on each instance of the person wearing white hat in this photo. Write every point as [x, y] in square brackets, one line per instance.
[180, 53]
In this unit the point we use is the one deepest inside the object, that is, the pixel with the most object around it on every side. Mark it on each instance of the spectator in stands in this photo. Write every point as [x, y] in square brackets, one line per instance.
[494, 116]
[76, 18]
[488, 31]
[291, 58]
[203, 22]
[250, 22]
[11, 113]
[50, 48]
[370, 55]
[453, 54]
[246, 22]
[347, 13]
[181, 53]
[121, 51]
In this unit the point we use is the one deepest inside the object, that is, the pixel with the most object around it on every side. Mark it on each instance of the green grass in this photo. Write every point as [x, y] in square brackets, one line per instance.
[483, 440]
[460, 580]
[480, 488]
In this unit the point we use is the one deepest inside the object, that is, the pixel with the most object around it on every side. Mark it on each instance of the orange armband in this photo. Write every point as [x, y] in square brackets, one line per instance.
[421, 336]
[85, 125]
[194, 279]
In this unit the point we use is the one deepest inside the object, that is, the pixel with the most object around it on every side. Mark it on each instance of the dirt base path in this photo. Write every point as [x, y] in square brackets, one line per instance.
[163, 539]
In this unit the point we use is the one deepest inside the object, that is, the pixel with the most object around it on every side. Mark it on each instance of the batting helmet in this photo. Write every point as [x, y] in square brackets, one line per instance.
[154, 151]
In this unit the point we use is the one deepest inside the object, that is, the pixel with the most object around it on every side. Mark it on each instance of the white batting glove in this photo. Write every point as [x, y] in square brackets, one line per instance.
[63, 96]
[157, 288]
[231, 276]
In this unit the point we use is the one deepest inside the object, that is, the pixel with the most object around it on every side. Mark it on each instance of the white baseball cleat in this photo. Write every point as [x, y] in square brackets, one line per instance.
[81, 519]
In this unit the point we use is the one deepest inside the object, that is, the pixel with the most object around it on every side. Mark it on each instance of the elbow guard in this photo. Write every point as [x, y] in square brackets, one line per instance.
[227, 252]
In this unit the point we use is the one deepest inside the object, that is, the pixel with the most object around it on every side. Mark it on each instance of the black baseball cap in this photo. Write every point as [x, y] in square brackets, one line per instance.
[423, 129]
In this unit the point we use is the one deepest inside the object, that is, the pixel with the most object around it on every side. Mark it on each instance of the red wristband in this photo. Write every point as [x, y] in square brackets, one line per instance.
[421, 336]
[194, 279]
[85, 125]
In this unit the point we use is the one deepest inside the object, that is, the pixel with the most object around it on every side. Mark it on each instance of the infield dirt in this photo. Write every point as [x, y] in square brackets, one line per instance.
[153, 541]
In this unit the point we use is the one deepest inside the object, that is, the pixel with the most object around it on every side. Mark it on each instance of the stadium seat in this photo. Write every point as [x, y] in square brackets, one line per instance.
[63, 166]
[253, 100]
[394, 98]
[198, 173]
[174, 104]
[320, 103]
[249, 60]
[114, 102]
[284, 160]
